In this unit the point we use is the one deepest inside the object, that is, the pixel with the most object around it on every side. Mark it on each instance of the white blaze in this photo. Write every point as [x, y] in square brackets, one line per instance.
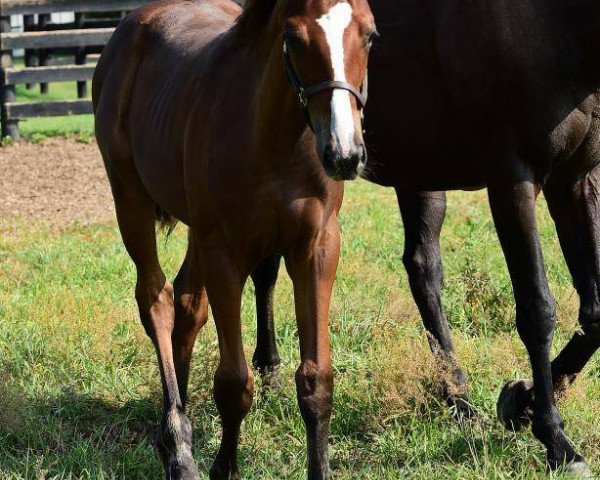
[334, 24]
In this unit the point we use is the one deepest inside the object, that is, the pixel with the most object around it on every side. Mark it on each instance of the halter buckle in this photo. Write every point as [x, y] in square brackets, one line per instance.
[302, 97]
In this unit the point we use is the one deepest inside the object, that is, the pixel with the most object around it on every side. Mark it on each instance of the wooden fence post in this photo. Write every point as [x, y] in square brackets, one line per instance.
[43, 54]
[80, 55]
[10, 128]
[30, 57]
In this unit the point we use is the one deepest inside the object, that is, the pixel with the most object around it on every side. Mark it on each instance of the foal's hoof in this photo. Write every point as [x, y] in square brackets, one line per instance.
[174, 444]
[271, 379]
[515, 404]
[577, 470]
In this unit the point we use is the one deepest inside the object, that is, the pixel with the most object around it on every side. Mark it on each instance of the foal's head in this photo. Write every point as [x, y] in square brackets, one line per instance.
[326, 47]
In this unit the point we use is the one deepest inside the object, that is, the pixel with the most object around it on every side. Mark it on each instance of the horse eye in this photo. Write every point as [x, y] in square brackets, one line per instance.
[292, 40]
[371, 37]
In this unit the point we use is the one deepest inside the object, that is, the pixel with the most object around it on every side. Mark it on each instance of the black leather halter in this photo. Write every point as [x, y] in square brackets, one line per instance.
[304, 93]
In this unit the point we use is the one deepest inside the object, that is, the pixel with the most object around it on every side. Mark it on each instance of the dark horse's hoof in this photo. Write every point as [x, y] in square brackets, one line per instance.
[271, 379]
[219, 473]
[575, 470]
[515, 404]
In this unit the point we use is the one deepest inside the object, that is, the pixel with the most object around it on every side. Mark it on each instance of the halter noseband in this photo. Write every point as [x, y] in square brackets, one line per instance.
[304, 93]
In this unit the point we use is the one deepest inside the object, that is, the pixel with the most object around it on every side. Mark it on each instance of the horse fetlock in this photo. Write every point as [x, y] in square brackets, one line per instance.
[265, 361]
[549, 431]
[174, 444]
[591, 328]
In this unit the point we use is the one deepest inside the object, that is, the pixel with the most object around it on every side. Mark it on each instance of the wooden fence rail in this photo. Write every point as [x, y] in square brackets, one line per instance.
[31, 7]
[47, 37]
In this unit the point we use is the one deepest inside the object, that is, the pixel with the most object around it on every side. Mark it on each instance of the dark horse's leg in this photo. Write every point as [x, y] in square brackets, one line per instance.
[191, 314]
[576, 212]
[266, 357]
[575, 209]
[512, 199]
[423, 214]
[154, 295]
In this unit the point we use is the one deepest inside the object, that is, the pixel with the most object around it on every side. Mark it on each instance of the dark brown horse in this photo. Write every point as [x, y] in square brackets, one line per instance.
[503, 95]
[197, 121]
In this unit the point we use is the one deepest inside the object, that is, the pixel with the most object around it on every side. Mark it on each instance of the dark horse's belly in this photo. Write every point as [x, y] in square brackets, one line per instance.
[451, 96]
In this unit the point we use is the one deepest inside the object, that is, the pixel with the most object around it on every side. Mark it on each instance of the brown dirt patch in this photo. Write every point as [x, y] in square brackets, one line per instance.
[59, 181]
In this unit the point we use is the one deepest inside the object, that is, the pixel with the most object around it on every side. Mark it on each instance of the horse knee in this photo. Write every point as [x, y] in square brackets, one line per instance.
[233, 392]
[536, 319]
[314, 385]
[420, 265]
[154, 297]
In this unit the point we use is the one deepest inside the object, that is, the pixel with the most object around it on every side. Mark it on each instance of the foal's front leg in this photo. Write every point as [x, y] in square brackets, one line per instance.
[312, 268]
[513, 208]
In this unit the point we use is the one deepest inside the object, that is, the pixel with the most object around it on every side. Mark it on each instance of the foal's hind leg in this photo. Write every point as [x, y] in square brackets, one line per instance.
[423, 214]
[575, 209]
[266, 357]
[191, 314]
[154, 294]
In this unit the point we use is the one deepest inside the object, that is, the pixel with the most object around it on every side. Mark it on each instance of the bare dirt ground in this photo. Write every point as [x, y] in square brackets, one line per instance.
[59, 181]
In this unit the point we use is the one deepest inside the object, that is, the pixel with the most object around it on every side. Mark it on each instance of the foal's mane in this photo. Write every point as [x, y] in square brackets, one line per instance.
[256, 15]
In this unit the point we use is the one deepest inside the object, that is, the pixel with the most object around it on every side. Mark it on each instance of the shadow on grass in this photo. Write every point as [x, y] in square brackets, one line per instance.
[75, 435]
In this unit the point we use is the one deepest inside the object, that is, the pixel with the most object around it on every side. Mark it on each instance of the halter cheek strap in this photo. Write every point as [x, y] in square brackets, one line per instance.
[304, 93]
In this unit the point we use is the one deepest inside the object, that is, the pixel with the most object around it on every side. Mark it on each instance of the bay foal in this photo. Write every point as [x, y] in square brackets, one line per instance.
[196, 121]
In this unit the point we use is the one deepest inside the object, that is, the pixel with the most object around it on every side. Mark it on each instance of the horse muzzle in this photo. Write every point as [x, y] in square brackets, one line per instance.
[344, 165]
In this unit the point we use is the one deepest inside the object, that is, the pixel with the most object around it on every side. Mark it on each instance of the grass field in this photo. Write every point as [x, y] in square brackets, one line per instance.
[80, 393]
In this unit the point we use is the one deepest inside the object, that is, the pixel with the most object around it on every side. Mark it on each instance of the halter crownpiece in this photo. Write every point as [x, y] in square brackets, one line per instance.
[304, 93]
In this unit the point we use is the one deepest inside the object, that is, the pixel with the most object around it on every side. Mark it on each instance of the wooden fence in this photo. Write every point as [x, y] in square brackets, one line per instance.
[76, 39]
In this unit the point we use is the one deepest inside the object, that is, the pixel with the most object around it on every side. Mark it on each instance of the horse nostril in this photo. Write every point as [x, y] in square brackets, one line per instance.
[329, 158]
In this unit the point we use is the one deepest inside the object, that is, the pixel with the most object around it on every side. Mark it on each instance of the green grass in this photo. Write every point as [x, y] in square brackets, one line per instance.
[80, 394]
[39, 128]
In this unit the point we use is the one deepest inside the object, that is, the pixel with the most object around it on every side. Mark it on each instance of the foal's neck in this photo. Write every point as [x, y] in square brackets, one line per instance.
[278, 122]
